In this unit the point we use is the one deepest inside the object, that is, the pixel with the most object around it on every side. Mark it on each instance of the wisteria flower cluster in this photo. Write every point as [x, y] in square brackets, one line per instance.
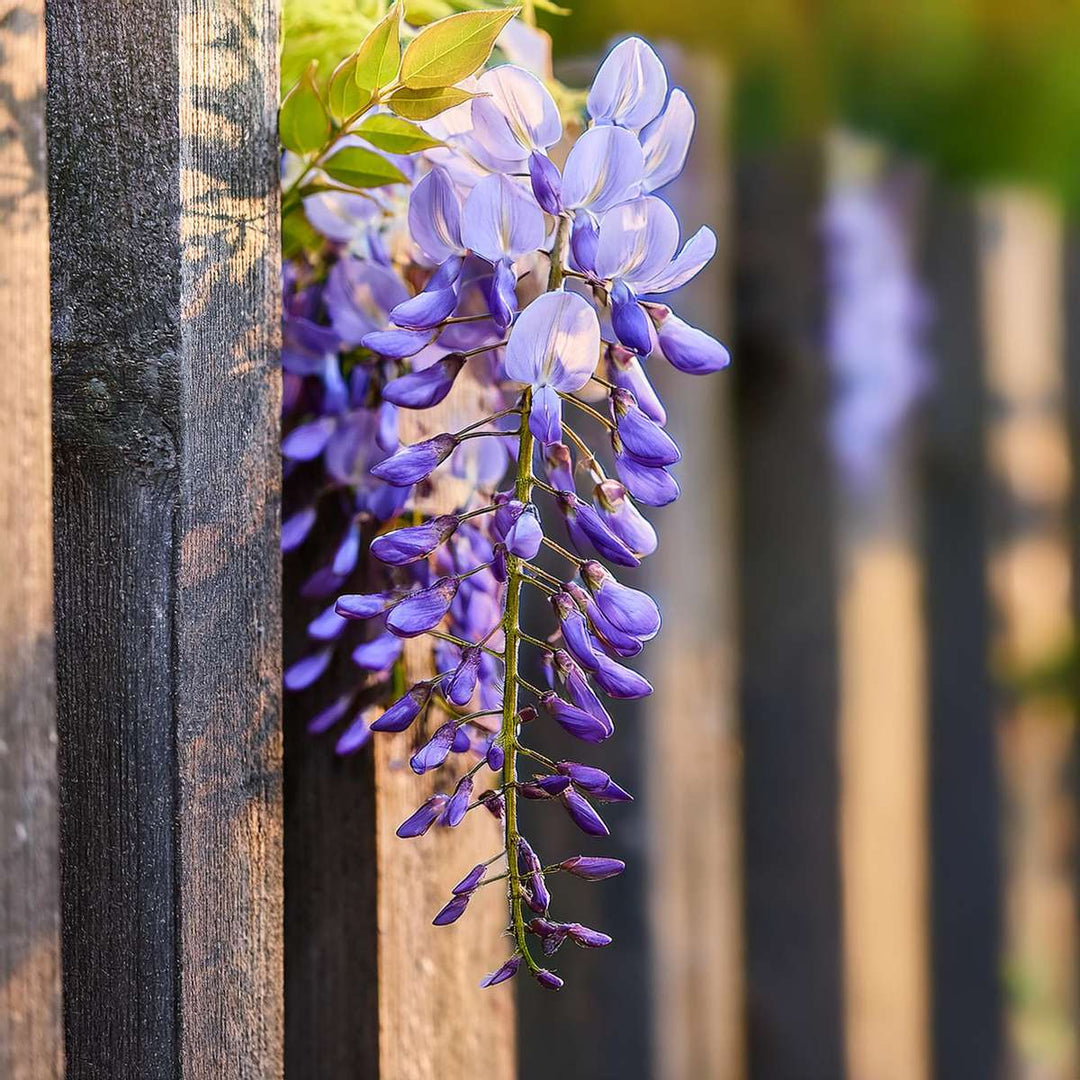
[485, 260]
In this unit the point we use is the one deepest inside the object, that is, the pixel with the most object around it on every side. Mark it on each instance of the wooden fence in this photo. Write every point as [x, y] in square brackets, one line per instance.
[853, 848]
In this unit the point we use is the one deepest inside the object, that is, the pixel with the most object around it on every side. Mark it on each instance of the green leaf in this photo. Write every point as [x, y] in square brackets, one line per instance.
[394, 135]
[344, 97]
[379, 55]
[424, 104]
[360, 168]
[303, 121]
[422, 12]
[451, 49]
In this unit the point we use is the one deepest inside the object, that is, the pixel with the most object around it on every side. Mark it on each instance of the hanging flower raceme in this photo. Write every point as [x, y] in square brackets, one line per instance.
[540, 283]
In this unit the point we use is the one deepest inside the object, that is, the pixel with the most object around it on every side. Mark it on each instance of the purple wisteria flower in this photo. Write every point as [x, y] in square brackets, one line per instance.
[537, 286]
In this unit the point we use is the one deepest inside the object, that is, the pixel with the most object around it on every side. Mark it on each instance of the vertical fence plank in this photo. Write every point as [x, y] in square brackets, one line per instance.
[875, 330]
[163, 186]
[964, 801]
[1030, 581]
[31, 1040]
[788, 621]
[691, 750]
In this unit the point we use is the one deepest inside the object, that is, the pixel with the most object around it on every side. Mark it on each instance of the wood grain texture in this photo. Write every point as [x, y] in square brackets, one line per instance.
[163, 186]
[31, 1036]
[434, 1019]
[788, 625]
[965, 876]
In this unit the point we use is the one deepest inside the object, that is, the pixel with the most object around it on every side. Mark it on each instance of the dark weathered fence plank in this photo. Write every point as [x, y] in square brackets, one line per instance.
[965, 893]
[165, 321]
[788, 624]
[31, 1043]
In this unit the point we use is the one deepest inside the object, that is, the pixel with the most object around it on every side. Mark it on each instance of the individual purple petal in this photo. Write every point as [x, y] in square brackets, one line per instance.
[326, 718]
[296, 527]
[652, 486]
[625, 370]
[502, 296]
[536, 893]
[500, 220]
[462, 743]
[630, 87]
[587, 519]
[423, 818]
[545, 418]
[630, 610]
[355, 736]
[592, 867]
[426, 309]
[422, 389]
[507, 971]
[623, 518]
[435, 751]
[584, 238]
[307, 442]
[641, 437]
[579, 723]
[555, 341]
[604, 168]
[452, 911]
[406, 545]
[400, 715]
[397, 344]
[459, 802]
[610, 636]
[551, 934]
[517, 114]
[435, 216]
[577, 686]
[666, 141]
[618, 681]
[637, 241]
[526, 534]
[422, 611]
[696, 252]
[412, 464]
[378, 654]
[630, 323]
[471, 880]
[586, 938]
[689, 349]
[574, 629]
[611, 792]
[547, 787]
[559, 467]
[348, 551]
[460, 685]
[587, 777]
[363, 605]
[327, 625]
[582, 813]
[546, 183]
[304, 672]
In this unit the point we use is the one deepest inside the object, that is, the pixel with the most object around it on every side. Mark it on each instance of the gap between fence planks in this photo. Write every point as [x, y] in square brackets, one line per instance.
[31, 1038]
[165, 320]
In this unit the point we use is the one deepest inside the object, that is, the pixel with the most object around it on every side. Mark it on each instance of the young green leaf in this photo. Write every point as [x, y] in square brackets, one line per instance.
[451, 49]
[394, 135]
[422, 12]
[344, 96]
[359, 168]
[303, 123]
[379, 55]
[424, 104]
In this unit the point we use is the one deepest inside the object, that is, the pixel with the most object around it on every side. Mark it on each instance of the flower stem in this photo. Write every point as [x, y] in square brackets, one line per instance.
[508, 734]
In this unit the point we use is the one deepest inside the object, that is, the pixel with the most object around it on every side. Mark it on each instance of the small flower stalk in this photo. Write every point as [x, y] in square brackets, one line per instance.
[543, 282]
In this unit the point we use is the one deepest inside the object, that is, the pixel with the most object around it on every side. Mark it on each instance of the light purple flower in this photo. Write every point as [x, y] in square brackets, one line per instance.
[630, 87]
[641, 437]
[604, 168]
[359, 295]
[687, 348]
[554, 347]
[411, 464]
[582, 813]
[630, 610]
[666, 141]
[311, 668]
[622, 517]
[435, 216]
[516, 117]
[579, 723]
